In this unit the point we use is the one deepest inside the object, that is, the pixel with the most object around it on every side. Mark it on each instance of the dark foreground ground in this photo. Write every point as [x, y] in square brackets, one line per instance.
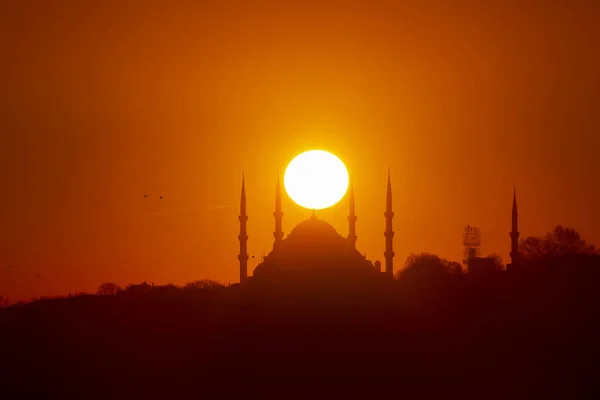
[517, 335]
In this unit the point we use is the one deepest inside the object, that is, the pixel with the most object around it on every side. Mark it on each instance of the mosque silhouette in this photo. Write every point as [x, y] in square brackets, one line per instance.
[314, 249]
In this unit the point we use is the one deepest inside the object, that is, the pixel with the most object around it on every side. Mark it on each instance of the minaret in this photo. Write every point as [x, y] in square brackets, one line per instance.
[514, 234]
[352, 219]
[243, 237]
[389, 233]
[278, 234]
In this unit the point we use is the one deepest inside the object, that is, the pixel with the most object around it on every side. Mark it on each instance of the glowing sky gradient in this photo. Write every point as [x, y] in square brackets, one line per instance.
[103, 103]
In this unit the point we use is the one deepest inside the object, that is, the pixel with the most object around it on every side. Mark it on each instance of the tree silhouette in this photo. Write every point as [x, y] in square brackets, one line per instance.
[561, 241]
[204, 284]
[427, 266]
[108, 288]
[532, 248]
[498, 264]
[454, 267]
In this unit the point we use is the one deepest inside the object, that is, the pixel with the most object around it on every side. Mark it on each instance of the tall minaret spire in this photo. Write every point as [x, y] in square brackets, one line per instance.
[352, 218]
[389, 233]
[243, 237]
[514, 234]
[278, 234]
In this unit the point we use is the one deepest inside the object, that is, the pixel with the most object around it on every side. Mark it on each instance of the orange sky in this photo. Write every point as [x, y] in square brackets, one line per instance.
[101, 104]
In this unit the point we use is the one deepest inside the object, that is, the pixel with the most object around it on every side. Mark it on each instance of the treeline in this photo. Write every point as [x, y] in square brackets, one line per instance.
[527, 332]
[560, 242]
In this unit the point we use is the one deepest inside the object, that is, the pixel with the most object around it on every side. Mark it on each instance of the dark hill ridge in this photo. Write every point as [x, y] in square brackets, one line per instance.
[521, 333]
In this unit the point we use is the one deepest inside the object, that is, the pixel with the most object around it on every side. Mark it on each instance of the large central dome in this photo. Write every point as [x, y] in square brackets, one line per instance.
[314, 249]
[313, 229]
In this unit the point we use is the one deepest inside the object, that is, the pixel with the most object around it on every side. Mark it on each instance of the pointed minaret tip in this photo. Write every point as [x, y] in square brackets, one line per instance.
[389, 187]
[351, 205]
[389, 233]
[351, 217]
[278, 214]
[243, 237]
[278, 185]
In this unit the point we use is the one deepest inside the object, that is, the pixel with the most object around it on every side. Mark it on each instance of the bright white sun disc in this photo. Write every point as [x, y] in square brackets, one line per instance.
[316, 179]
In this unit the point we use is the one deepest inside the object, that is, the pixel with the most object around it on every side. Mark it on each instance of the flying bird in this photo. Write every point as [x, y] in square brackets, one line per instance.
[145, 196]
[161, 197]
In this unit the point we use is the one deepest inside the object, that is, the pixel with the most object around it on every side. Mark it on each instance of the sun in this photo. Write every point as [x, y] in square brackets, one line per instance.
[316, 179]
